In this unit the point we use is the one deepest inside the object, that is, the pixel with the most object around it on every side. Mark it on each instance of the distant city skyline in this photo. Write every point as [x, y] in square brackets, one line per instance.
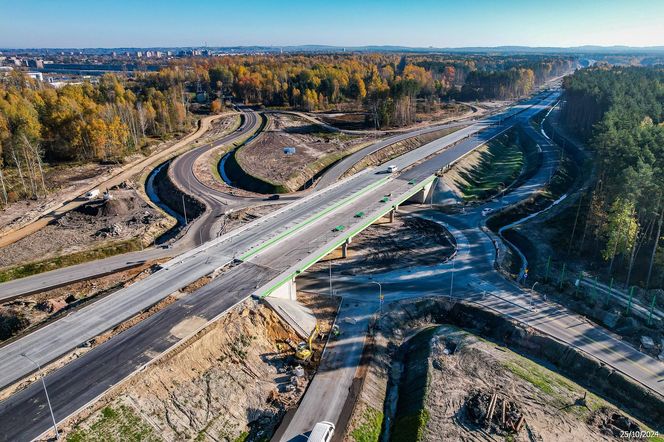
[440, 24]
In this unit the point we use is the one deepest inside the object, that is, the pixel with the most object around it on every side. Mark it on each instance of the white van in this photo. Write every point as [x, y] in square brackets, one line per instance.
[92, 194]
[322, 432]
[392, 168]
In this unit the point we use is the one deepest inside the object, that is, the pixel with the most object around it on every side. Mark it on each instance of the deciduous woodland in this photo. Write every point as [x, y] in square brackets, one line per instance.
[619, 112]
[115, 116]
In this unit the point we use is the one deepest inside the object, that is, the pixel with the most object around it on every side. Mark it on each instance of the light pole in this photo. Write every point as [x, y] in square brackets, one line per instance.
[48, 401]
[452, 277]
[330, 277]
[502, 192]
[380, 299]
[184, 209]
[532, 291]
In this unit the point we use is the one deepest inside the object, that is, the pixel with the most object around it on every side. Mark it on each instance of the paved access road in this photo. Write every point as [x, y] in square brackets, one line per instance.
[268, 247]
[202, 229]
[199, 231]
[335, 172]
[470, 275]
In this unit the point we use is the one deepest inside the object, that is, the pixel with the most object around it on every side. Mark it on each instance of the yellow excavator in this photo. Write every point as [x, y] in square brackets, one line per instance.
[304, 350]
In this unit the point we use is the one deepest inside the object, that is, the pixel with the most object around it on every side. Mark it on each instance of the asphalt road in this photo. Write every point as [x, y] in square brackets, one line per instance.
[470, 275]
[199, 231]
[78, 272]
[334, 173]
[206, 226]
[269, 247]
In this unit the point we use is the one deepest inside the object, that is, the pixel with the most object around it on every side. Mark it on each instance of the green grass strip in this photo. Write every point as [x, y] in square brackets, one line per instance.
[34, 268]
[355, 231]
[313, 218]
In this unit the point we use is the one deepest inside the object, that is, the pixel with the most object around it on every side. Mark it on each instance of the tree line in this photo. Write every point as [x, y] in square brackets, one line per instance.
[386, 86]
[113, 116]
[105, 121]
[619, 112]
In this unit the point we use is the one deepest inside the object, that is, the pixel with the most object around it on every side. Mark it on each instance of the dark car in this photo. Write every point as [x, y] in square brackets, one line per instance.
[273, 198]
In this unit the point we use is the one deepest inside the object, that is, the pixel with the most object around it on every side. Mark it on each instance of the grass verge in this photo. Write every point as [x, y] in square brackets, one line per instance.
[116, 424]
[370, 426]
[499, 165]
[36, 267]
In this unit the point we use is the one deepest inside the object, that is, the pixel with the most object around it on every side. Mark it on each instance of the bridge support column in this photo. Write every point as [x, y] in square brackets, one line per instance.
[392, 216]
[344, 248]
[286, 291]
[424, 195]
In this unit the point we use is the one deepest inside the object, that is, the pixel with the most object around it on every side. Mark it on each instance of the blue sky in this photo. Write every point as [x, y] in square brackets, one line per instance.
[441, 23]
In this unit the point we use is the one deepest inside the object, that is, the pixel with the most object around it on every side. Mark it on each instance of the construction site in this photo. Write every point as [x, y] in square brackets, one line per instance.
[407, 315]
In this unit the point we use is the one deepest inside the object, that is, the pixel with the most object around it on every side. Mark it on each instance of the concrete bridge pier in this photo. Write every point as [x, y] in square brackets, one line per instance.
[424, 195]
[393, 213]
[344, 248]
[287, 290]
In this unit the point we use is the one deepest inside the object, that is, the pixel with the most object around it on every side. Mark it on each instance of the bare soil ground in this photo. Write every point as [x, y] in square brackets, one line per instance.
[554, 407]
[243, 216]
[219, 128]
[264, 157]
[66, 182]
[437, 113]
[394, 150]
[462, 372]
[95, 224]
[234, 381]
[380, 247]
[63, 181]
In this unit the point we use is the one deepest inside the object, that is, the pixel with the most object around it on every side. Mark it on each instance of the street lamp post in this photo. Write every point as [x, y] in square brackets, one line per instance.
[502, 192]
[380, 298]
[452, 276]
[48, 400]
[184, 210]
[532, 292]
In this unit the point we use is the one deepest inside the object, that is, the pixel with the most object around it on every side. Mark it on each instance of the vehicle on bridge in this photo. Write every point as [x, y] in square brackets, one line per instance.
[392, 168]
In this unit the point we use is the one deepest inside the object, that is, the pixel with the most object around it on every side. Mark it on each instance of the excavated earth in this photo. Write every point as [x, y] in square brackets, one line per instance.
[380, 247]
[420, 380]
[92, 225]
[234, 380]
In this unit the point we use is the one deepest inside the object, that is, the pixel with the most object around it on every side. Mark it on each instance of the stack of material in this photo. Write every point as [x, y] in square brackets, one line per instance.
[497, 414]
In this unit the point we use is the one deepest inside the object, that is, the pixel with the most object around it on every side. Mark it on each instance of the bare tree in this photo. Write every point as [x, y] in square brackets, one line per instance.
[4, 189]
[142, 120]
[36, 150]
[656, 243]
[29, 166]
[18, 167]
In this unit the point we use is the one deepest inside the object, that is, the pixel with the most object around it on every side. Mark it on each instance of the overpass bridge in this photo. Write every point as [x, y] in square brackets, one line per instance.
[262, 258]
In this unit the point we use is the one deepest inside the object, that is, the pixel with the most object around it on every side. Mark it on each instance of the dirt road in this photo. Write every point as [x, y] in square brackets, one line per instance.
[123, 174]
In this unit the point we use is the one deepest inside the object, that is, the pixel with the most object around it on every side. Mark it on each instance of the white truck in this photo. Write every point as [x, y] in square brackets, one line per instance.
[392, 168]
[94, 193]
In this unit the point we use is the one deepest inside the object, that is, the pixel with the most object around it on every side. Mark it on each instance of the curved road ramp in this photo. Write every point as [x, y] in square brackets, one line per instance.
[265, 255]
